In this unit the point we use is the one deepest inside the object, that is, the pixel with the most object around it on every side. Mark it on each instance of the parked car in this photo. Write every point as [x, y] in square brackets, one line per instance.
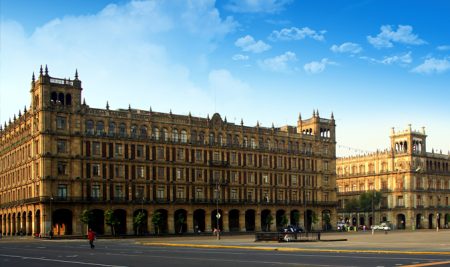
[383, 226]
[292, 229]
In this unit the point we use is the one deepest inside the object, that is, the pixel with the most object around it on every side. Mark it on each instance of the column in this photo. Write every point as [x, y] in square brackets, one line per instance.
[129, 220]
[190, 222]
[170, 222]
[151, 228]
[242, 221]
[258, 221]
[208, 221]
[225, 221]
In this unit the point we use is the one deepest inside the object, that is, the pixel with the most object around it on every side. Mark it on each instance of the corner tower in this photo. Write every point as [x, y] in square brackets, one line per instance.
[409, 141]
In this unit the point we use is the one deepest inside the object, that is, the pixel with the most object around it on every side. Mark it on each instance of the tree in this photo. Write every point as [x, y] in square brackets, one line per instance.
[87, 217]
[284, 220]
[269, 221]
[314, 220]
[111, 220]
[180, 222]
[327, 221]
[157, 220]
[139, 221]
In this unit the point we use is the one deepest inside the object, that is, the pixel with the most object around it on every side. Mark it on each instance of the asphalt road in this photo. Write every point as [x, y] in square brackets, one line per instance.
[125, 252]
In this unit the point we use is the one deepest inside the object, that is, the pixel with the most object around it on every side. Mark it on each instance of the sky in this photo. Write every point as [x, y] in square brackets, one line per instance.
[373, 64]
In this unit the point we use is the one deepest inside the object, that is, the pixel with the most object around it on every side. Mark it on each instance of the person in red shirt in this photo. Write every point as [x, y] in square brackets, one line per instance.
[91, 237]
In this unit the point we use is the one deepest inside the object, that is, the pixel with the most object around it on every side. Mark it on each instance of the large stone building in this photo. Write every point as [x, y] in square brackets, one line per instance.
[414, 183]
[61, 157]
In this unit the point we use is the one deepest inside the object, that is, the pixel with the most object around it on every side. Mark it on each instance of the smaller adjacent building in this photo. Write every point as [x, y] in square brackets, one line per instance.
[414, 184]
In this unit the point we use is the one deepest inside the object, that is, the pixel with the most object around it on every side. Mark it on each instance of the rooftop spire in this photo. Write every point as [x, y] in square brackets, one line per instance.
[46, 70]
[84, 101]
[332, 115]
[107, 105]
[32, 77]
[76, 74]
[25, 109]
[242, 122]
[40, 71]
[314, 112]
[317, 113]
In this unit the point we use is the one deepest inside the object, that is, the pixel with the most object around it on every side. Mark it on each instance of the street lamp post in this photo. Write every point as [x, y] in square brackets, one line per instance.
[51, 217]
[304, 205]
[217, 209]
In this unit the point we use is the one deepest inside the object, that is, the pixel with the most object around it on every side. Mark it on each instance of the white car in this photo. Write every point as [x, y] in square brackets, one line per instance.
[382, 226]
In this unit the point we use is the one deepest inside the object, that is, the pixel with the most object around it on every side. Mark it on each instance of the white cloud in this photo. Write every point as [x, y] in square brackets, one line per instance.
[131, 49]
[248, 44]
[222, 80]
[433, 65]
[443, 47]
[387, 37]
[257, 6]
[347, 47]
[402, 60]
[315, 67]
[239, 57]
[279, 63]
[295, 33]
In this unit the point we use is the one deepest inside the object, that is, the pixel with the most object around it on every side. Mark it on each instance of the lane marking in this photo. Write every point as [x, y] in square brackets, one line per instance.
[63, 261]
[428, 264]
[298, 249]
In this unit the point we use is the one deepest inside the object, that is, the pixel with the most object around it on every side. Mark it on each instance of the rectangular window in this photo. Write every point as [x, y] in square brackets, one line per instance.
[198, 175]
[279, 162]
[119, 150]
[180, 154]
[325, 165]
[279, 179]
[140, 192]
[160, 193]
[325, 196]
[326, 180]
[96, 169]
[265, 161]
[119, 171]
[234, 194]
[60, 123]
[179, 174]
[61, 146]
[400, 202]
[234, 177]
[251, 178]
[62, 191]
[250, 159]
[198, 193]
[161, 174]
[233, 158]
[96, 148]
[118, 193]
[280, 195]
[140, 171]
[216, 156]
[139, 151]
[180, 193]
[62, 168]
[265, 178]
[294, 180]
[294, 196]
[160, 153]
[249, 195]
[198, 155]
[95, 193]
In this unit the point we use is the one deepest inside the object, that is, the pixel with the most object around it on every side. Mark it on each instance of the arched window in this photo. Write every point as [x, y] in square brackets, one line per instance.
[252, 143]
[143, 132]
[111, 128]
[100, 128]
[165, 135]
[133, 131]
[183, 136]
[68, 99]
[89, 127]
[245, 141]
[155, 133]
[61, 98]
[54, 97]
[220, 139]
[201, 137]
[194, 137]
[122, 130]
[175, 135]
[211, 139]
[236, 140]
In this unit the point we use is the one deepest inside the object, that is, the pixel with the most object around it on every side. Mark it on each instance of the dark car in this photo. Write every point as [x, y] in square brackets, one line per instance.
[292, 229]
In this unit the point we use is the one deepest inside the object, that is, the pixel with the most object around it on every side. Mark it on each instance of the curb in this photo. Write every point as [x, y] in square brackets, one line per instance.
[285, 249]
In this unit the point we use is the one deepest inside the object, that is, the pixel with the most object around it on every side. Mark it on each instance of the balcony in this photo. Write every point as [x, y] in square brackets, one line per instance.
[218, 163]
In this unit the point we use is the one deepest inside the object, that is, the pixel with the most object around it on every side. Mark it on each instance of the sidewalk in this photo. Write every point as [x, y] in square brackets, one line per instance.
[410, 242]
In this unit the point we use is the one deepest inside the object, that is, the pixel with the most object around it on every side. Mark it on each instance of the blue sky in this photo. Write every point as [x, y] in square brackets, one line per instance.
[375, 64]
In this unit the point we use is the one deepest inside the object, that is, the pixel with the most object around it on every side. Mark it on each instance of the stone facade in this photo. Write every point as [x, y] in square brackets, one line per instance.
[62, 157]
[414, 183]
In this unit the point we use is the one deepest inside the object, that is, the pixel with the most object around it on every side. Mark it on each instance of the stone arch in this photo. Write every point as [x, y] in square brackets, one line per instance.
[199, 220]
[180, 221]
[326, 220]
[419, 221]
[30, 223]
[53, 97]
[23, 227]
[98, 221]
[266, 220]
[140, 229]
[233, 220]
[250, 216]
[163, 226]
[62, 222]
[430, 221]
[121, 216]
[61, 98]
[401, 221]
[37, 222]
[295, 217]
[280, 214]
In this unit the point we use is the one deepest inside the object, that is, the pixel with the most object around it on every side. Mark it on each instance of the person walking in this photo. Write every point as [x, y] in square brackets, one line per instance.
[91, 238]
